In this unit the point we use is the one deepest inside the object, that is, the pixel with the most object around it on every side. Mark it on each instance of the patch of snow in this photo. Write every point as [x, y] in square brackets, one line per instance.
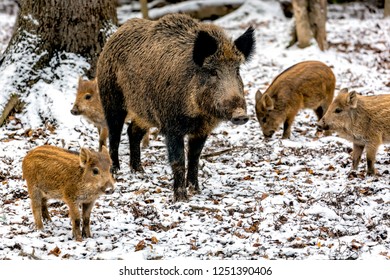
[274, 199]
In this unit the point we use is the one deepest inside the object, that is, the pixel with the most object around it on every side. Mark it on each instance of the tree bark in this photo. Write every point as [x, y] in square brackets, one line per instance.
[304, 33]
[144, 9]
[310, 21]
[387, 8]
[46, 34]
[317, 19]
[52, 27]
[9, 107]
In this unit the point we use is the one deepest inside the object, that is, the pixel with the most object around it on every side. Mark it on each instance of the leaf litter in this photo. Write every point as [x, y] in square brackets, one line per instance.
[274, 199]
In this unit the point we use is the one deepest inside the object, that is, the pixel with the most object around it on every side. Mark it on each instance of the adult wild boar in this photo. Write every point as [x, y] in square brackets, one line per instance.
[77, 179]
[309, 84]
[363, 120]
[179, 75]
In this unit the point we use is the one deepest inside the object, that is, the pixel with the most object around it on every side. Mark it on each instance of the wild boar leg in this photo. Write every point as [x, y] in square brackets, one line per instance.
[195, 146]
[87, 208]
[371, 150]
[287, 127]
[115, 118]
[45, 212]
[356, 155]
[103, 134]
[74, 215]
[115, 129]
[135, 134]
[36, 206]
[175, 146]
[319, 112]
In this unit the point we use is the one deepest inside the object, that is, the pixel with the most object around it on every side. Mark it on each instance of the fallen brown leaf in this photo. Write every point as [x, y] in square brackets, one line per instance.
[140, 246]
[56, 252]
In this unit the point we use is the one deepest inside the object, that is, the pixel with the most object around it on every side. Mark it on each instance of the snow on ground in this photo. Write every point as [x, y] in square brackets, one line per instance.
[276, 199]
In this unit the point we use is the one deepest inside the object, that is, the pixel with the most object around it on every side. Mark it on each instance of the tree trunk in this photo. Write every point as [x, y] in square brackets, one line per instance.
[73, 26]
[317, 18]
[304, 33]
[144, 9]
[387, 8]
[310, 21]
[46, 34]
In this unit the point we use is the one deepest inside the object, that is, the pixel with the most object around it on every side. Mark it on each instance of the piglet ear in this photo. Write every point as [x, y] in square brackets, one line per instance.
[85, 155]
[95, 84]
[105, 151]
[268, 103]
[352, 99]
[80, 80]
[246, 43]
[205, 45]
[258, 96]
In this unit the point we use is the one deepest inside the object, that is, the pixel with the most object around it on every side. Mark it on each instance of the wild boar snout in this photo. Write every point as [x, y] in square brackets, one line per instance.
[109, 189]
[75, 111]
[239, 116]
[321, 125]
[269, 134]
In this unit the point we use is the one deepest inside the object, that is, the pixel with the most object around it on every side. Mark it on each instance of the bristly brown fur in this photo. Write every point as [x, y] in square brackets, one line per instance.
[177, 74]
[309, 84]
[88, 105]
[56, 173]
[363, 120]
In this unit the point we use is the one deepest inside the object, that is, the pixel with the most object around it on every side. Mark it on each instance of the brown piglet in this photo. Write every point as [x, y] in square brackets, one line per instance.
[88, 104]
[309, 84]
[76, 179]
[363, 120]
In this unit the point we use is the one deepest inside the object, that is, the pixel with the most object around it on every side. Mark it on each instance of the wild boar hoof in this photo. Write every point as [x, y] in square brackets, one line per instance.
[193, 188]
[327, 133]
[180, 196]
[39, 227]
[46, 218]
[352, 174]
[138, 168]
[114, 169]
[371, 172]
[87, 235]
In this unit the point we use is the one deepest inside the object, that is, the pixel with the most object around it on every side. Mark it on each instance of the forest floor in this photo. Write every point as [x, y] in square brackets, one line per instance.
[275, 199]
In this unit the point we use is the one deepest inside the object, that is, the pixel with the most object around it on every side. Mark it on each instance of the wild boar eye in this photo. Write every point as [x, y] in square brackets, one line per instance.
[338, 110]
[95, 171]
[88, 97]
[264, 119]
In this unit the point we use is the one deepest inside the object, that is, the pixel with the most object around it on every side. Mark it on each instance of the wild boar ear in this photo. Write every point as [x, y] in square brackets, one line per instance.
[246, 43]
[95, 85]
[258, 96]
[204, 46]
[352, 99]
[80, 80]
[344, 90]
[105, 150]
[85, 155]
[268, 103]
